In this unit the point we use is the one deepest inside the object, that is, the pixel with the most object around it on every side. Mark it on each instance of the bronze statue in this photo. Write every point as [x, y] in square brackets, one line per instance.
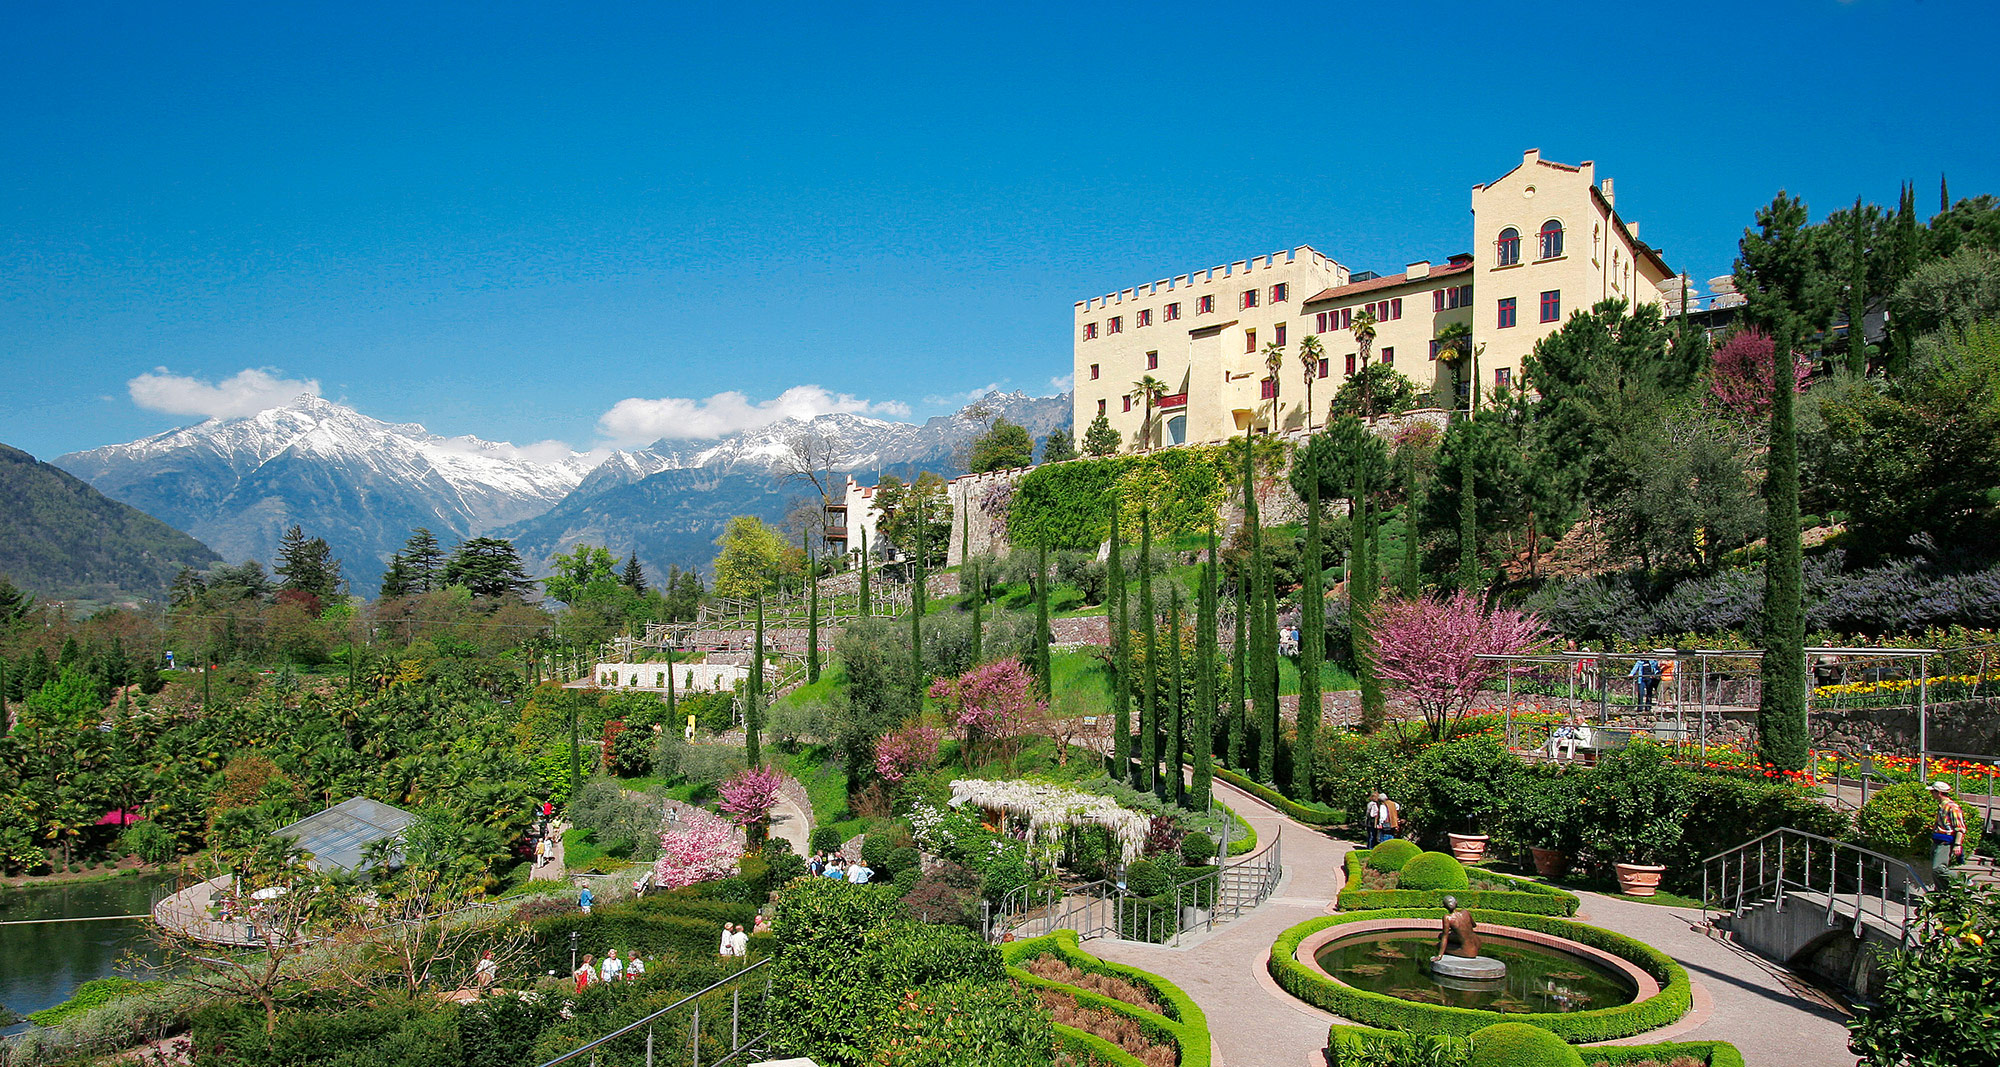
[1459, 937]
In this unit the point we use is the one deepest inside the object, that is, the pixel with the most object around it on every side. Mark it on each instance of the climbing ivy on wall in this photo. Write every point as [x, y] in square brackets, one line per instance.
[1068, 505]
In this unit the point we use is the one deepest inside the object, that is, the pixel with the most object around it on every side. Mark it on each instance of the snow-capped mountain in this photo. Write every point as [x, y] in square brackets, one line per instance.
[364, 484]
[359, 482]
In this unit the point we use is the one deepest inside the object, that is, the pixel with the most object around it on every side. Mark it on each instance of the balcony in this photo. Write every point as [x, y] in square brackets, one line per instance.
[1170, 402]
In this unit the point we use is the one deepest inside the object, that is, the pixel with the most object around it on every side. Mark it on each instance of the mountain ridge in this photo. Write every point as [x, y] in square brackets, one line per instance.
[61, 538]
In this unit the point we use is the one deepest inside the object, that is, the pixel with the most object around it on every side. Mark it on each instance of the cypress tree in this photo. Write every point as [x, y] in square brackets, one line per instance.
[1121, 667]
[1263, 662]
[1176, 696]
[1857, 296]
[970, 585]
[1239, 674]
[1044, 668]
[1364, 587]
[864, 573]
[1149, 707]
[1410, 582]
[917, 614]
[1270, 740]
[673, 723]
[1312, 648]
[1204, 684]
[1468, 529]
[753, 715]
[812, 613]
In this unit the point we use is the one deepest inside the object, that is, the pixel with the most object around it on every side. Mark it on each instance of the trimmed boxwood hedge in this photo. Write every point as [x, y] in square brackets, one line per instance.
[1377, 1009]
[1310, 814]
[1358, 1045]
[1244, 840]
[1532, 898]
[1180, 1021]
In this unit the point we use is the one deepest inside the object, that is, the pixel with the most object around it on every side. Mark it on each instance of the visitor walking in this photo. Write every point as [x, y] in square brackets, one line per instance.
[1388, 818]
[584, 900]
[1638, 676]
[727, 944]
[859, 872]
[739, 944]
[1947, 833]
[635, 968]
[1373, 819]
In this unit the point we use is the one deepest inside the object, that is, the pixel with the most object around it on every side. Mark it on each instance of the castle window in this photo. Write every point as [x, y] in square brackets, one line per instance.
[1280, 291]
[1552, 239]
[1116, 324]
[1503, 377]
[1089, 331]
[1100, 405]
[1552, 305]
[1437, 299]
[1144, 318]
[1322, 368]
[1506, 312]
[1172, 312]
[1093, 372]
[1278, 333]
[1128, 403]
[1205, 306]
[1388, 357]
[1249, 340]
[1507, 248]
[1249, 298]
[1152, 361]
[1268, 389]
[1350, 364]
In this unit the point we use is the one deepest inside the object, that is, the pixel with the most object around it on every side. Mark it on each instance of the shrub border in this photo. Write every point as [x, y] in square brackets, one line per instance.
[1533, 898]
[1248, 842]
[1376, 1009]
[1311, 816]
[1712, 1053]
[1181, 1021]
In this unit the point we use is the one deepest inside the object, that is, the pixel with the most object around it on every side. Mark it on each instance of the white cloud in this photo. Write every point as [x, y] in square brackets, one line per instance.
[1063, 383]
[637, 421]
[961, 399]
[248, 392]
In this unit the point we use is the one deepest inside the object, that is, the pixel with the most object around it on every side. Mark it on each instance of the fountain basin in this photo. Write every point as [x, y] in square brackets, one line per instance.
[1542, 973]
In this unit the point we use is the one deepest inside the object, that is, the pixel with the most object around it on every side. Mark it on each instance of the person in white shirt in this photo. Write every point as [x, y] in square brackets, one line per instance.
[486, 972]
[1374, 820]
[636, 968]
[727, 942]
[859, 872]
[739, 943]
[612, 966]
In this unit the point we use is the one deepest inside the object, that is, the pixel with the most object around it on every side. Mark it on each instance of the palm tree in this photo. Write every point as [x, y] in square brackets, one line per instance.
[1274, 361]
[1364, 336]
[1150, 390]
[1309, 357]
[1454, 342]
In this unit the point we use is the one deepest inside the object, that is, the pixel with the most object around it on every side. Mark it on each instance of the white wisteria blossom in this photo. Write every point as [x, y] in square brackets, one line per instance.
[1051, 810]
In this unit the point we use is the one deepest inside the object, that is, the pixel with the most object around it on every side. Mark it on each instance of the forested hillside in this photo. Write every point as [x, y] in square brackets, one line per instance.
[61, 538]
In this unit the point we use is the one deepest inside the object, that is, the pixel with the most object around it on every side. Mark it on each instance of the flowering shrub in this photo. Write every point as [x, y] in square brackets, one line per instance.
[905, 752]
[1430, 649]
[749, 795]
[1051, 810]
[994, 701]
[700, 848]
[1741, 373]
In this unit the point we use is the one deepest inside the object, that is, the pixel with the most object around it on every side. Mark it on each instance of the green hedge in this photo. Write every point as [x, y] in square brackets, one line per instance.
[1247, 843]
[1357, 1045]
[1088, 1047]
[1180, 1021]
[1377, 1009]
[1310, 814]
[1531, 898]
[1068, 505]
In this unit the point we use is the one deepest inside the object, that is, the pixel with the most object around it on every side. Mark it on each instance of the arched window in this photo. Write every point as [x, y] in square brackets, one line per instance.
[1177, 430]
[1552, 239]
[1509, 246]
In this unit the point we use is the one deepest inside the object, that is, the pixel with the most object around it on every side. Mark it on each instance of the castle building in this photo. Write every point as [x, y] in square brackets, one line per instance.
[1547, 241]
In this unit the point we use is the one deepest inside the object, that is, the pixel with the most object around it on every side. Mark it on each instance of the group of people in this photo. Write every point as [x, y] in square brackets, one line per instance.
[838, 868]
[613, 969]
[1647, 676]
[735, 943]
[1384, 818]
[1567, 736]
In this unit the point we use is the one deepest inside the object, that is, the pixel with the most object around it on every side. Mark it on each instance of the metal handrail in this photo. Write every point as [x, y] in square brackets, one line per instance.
[1102, 908]
[1736, 895]
[649, 1020]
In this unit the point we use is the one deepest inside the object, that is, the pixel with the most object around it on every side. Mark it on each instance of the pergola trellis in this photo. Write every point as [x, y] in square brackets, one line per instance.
[1701, 658]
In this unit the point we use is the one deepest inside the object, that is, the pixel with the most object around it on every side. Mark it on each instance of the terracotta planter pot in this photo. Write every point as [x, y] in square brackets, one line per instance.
[1468, 848]
[1551, 862]
[1639, 879]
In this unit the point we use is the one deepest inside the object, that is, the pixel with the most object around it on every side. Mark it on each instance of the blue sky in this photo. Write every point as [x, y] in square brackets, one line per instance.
[508, 219]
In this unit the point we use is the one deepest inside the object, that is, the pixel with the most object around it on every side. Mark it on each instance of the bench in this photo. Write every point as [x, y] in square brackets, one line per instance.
[1603, 739]
[1670, 731]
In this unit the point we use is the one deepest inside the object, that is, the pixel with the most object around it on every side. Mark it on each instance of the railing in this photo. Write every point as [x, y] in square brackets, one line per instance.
[1107, 909]
[1767, 868]
[739, 1045]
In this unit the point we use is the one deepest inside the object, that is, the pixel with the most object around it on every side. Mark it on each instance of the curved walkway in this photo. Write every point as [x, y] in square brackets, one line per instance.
[1770, 1015]
[792, 822]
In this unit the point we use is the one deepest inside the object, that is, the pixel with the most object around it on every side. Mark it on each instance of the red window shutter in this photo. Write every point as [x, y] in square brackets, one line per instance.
[1437, 300]
[1396, 308]
[1350, 363]
[1322, 368]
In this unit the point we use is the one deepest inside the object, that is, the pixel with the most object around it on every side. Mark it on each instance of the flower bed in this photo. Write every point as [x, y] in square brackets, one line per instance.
[1310, 814]
[1179, 1021]
[1377, 1009]
[1521, 895]
[1364, 1046]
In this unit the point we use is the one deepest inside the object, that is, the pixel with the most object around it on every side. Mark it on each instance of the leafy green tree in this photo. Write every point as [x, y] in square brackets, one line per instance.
[487, 567]
[582, 573]
[1377, 387]
[1058, 446]
[1970, 223]
[1941, 299]
[918, 512]
[754, 557]
[1003, 447]
[307, 565]
[1777, 270]
[1100, 439]
[1936, 1005]
[1687, 495]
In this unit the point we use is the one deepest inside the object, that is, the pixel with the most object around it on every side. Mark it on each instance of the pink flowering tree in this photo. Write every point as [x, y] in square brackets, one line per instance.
[996, 702]
[700, 848]
[748, 797]
[909, 751]
[1430, 649]
[1742, 370]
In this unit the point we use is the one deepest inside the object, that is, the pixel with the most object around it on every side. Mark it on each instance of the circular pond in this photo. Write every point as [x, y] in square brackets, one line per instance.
[1545, 975]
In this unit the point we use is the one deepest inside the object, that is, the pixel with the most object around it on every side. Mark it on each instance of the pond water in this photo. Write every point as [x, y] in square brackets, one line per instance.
[1539, 978]
[41, 964]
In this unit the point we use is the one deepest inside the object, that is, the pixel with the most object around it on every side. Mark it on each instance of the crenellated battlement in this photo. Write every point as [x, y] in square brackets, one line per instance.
[1236, 270]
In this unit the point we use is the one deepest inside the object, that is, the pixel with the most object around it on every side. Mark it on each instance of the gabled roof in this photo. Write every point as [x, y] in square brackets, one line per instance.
[1354, 289]
[337, 836]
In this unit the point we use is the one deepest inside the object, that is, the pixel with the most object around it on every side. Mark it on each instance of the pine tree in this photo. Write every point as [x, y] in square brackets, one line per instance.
[1149, 707]
[812, 611]
[1204, 685]
[634, 577]
[307, 565]
[753, 712]
[1312, 649]
[1058, 446]
[396, 579]
[423, 561]
[1100, 439]
[1121, 665]
[1410, 577]
[864, 573]
[1176, 696]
